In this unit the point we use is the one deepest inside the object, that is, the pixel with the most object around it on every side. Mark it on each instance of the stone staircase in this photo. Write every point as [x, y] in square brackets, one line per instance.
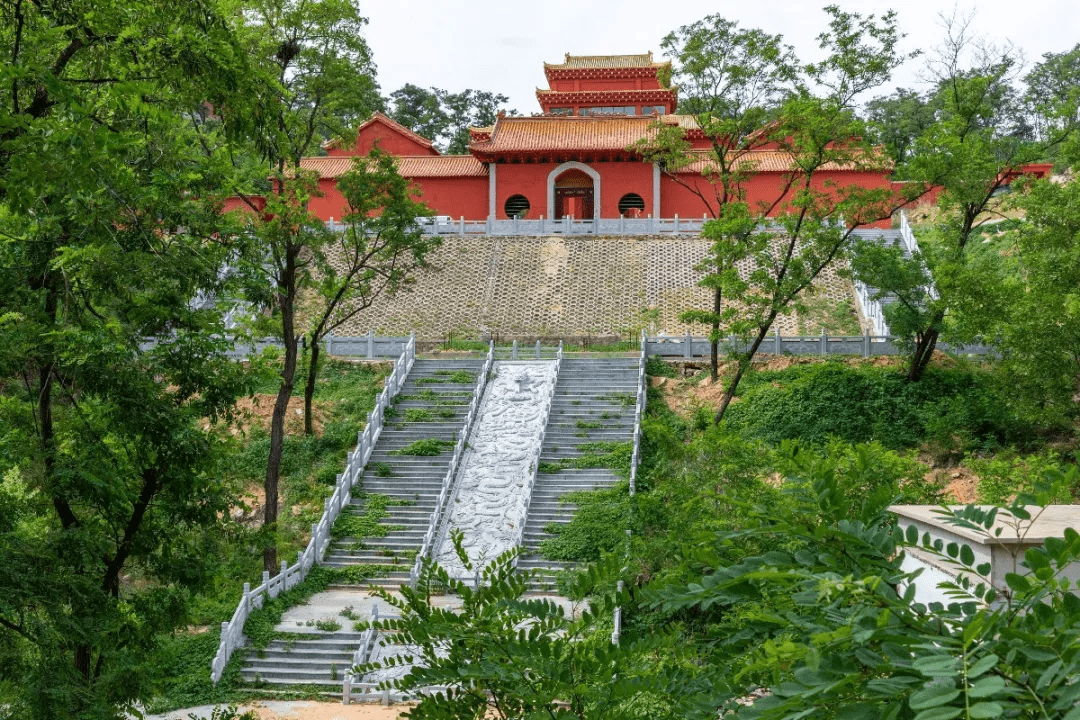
[432, 405]
[319, 659]
[594, 402]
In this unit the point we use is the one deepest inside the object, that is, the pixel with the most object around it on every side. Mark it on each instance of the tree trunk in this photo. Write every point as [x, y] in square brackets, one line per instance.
[277, 420]
[309, 388]
[924, 351]
[744, 364]
[714, 345]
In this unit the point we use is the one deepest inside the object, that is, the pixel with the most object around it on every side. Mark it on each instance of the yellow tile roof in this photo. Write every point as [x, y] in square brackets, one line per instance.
[574, 62]
[411, 166]
[571, 132]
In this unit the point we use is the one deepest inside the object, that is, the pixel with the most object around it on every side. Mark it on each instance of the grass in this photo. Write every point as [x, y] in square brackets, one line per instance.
[433, 398]
[612, 455]
[624, 399]
[425, 448]
[427, 414]
[455, 377]
[368, 523]
[588, 424]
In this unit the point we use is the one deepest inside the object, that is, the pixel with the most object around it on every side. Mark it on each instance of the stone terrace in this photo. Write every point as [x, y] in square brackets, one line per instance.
[560, 286]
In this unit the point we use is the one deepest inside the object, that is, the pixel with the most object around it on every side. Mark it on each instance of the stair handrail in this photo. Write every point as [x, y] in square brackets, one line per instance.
[438, 514]
[362, 654]
[531, 483]
[232, 631]
[639, 410]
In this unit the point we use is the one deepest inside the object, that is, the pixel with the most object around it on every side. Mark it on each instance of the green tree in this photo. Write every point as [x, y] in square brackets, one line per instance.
[1034, 319]
[446, 117]
[789, 237]
[898, 120]
[379, 251]
[734, 80]
[110, 226]
[315, 74]
[1053, 95]
[970, 153]
[420, 110]
[471, 108]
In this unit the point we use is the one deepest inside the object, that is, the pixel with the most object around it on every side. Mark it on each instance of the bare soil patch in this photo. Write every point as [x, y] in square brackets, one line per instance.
[961, 485]
[256, 411]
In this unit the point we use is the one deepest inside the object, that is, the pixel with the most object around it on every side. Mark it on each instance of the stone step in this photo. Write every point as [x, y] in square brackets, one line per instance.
[401, 559]
[295, 675]
[390, 542]
[313, 656]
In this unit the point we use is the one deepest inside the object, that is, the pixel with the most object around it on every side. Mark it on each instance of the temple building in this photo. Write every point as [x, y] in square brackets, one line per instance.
[571, 160]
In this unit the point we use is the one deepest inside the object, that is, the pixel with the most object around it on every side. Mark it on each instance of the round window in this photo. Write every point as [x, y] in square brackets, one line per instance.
[631, 204]
[516, 206]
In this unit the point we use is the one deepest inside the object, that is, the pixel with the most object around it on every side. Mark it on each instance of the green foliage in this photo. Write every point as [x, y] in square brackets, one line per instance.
[425, 447]
[1002, 478]
[443, 116]
[460, 377]
[657, 367]
[367, 523]
[514, 656]
[359, 574]
[599, 525]
[613, 455]
[433, 398]
[954, 408]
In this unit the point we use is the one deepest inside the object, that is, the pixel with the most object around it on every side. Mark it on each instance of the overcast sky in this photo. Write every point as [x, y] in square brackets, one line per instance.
[502, 46]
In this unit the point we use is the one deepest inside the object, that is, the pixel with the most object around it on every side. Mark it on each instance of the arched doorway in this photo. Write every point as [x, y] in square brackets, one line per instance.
[574, 189]
[574, 195]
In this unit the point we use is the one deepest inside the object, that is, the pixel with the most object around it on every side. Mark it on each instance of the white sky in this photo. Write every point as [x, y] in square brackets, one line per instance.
[502, 46]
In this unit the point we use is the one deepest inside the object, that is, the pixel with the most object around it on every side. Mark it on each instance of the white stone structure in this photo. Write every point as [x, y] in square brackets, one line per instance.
[490, 500]
[1004, 552]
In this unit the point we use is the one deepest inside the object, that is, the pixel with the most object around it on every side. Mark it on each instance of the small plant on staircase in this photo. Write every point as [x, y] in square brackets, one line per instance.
[426, 448]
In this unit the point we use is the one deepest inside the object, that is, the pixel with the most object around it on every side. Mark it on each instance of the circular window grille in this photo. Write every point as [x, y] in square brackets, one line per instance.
[630, 202]
[516, 206]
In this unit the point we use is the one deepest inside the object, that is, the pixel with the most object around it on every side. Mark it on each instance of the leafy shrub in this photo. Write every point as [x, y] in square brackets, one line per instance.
[955, 408]
[1001, 479]
[862, 472]
[656, 367]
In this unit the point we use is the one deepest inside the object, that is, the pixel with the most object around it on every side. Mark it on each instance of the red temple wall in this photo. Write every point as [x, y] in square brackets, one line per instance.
[389, 141]
[764, 187]
[469, 196]
[331, 204]
[530, 180]
[455, 197]
[444, 195]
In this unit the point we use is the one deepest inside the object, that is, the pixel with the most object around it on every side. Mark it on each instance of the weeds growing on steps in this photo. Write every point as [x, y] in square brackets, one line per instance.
[611, 455]
[455, 377]
[433, 398]
[368, 522]
[425, 448]
[428, 414]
